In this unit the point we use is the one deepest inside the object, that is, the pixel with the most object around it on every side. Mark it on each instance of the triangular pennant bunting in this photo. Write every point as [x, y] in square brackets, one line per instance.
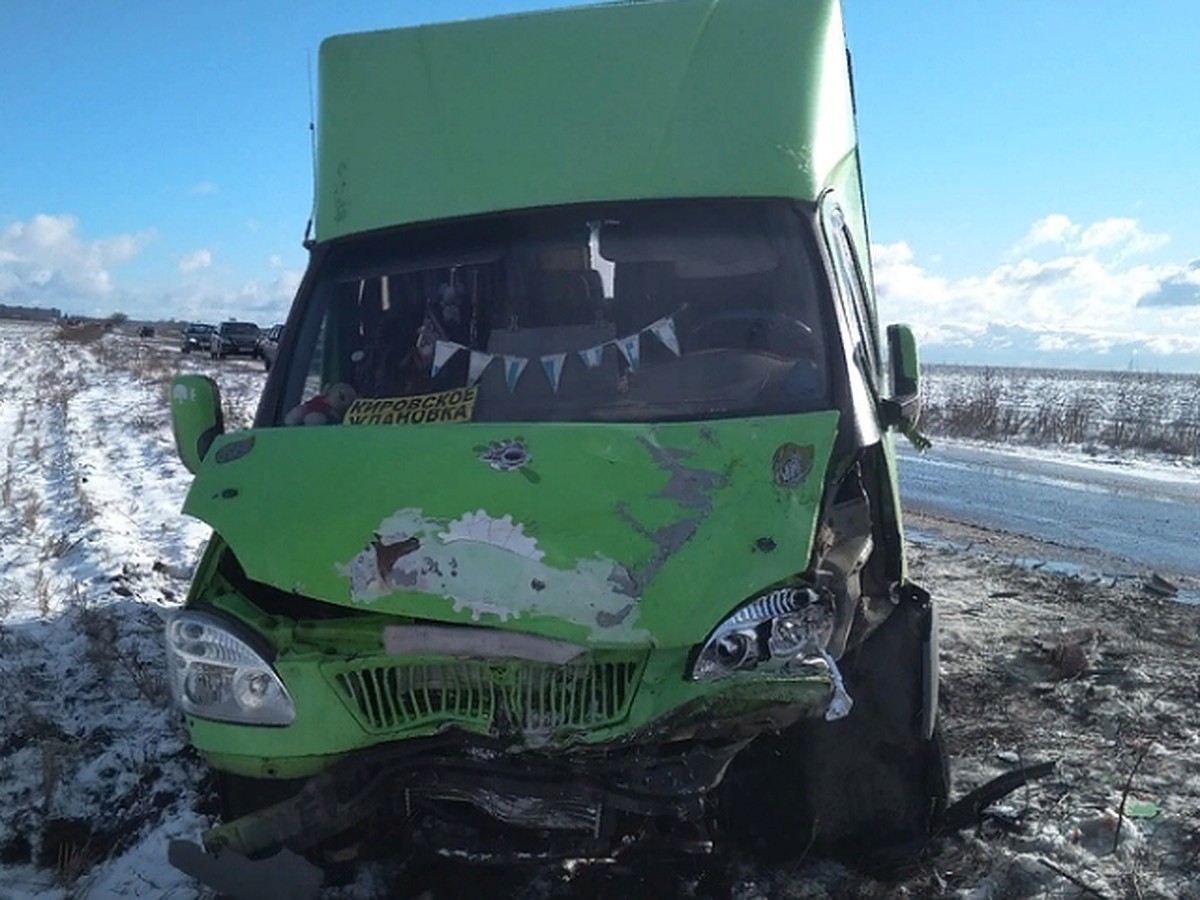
[631, 349]
[479, 362]
[593, 356]
[443, 352]
[513, 367]
[664, 330]
[553, 364]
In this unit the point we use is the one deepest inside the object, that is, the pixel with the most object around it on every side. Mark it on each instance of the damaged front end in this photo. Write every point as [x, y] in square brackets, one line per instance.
[349, 727]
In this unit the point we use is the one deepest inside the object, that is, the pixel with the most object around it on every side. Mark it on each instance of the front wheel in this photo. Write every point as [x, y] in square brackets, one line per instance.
[869, 789]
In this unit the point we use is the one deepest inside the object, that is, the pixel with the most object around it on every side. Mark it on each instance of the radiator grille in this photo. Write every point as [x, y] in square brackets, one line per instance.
[500, 697]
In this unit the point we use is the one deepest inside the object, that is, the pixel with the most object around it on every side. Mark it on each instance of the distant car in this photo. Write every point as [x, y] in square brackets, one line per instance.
[232, 338]
[195, 337]
[146, 331]
[268, 345]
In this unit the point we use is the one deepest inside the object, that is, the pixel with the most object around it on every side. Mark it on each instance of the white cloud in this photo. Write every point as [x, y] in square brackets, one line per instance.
[203, 189]
[1121, 236]
[1053, 229]
[44, 262]
[196, 260]
[1085, 299]
[207, 300]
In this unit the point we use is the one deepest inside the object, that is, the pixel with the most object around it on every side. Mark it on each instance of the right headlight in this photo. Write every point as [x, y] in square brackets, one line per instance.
[772, 633]
[215, 674]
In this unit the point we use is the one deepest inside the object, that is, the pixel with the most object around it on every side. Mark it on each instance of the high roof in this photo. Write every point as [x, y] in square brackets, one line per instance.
[676, 98]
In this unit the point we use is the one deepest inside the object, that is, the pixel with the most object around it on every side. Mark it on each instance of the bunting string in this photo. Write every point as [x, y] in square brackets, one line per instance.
[629, 346]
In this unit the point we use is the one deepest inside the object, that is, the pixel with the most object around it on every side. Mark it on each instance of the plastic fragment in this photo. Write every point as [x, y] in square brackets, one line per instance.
[841, 702]
[1141, 809]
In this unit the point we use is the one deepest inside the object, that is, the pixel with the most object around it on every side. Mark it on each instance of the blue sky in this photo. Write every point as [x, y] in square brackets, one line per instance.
[1032, 166]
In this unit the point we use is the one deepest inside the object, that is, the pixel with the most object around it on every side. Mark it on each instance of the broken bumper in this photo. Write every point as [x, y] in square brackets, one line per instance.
[453, 798]
[469, 800]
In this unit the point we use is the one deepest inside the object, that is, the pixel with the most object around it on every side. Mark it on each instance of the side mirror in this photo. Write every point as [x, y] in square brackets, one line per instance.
[903, 408]
[196, 417]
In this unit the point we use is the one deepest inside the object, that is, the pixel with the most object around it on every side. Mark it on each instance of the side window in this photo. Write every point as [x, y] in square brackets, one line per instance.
[850, 284]
[314, 380]
[854, 320]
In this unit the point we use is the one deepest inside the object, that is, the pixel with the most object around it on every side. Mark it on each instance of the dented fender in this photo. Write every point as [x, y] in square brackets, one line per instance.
[604, 534]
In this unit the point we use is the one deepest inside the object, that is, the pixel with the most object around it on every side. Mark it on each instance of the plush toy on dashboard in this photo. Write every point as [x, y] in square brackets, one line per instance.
[324, 409]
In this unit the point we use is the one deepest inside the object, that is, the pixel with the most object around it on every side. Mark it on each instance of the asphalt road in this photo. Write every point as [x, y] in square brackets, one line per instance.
[1149, 519]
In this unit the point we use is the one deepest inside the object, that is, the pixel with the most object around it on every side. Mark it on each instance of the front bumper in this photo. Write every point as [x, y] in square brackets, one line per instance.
[350, 703]
[234, 349]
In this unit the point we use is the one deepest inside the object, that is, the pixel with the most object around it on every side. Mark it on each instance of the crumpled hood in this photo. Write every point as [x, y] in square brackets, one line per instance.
[605, 534]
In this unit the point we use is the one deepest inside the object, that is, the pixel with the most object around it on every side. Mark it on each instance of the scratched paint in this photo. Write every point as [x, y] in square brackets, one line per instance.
[491, 569]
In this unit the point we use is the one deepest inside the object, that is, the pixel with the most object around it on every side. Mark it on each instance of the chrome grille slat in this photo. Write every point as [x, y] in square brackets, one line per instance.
[496, 696]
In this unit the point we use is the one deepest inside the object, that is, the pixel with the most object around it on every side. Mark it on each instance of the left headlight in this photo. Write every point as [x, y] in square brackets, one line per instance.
[775, 633]
[215, 674]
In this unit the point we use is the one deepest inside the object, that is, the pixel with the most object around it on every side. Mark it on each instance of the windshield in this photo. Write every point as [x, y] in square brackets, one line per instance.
[614, 312]
[239, 328]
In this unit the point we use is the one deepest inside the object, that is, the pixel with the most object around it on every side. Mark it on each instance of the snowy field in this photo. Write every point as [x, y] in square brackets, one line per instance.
[96, 776]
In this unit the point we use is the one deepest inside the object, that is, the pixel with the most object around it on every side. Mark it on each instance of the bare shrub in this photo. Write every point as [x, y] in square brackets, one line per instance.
[100, 628]
[41, 593]
[148, 677]
[6, 486]
[59, 545]
[31, 512]
[74, 860]
[1122, 410]
[84, 507]
[85, 333]
[54, 753]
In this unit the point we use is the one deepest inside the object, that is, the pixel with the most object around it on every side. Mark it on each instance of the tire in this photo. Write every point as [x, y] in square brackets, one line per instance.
[869, 789]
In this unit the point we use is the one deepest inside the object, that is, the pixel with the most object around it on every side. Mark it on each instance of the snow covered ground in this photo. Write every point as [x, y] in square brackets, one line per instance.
[96, 775]
[94, 770]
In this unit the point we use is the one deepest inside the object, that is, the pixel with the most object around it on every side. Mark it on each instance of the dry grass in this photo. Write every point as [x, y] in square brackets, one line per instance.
[74, 860]
[31, 512]
[100, 628]
[1117, 410]
[86, 333]
[84, 507]
[41, 593]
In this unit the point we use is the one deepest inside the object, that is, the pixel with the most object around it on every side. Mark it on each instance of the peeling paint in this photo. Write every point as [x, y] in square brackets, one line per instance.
[611, 620]
[690, 488]
[489, 567]
[479, 527]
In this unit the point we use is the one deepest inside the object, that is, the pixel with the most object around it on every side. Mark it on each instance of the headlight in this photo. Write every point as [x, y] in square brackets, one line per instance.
[214, 674]
[770, 633]
[784, 634]
[780, 633]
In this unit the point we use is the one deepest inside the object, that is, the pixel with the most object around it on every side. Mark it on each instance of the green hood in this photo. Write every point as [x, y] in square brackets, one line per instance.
[610, 535]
